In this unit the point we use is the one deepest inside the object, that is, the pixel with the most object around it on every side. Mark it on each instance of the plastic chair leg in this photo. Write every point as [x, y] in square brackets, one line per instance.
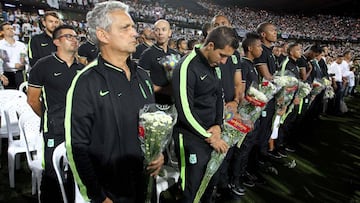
[11, 163]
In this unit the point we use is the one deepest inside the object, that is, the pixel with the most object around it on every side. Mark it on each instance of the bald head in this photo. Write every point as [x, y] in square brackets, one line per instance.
[162, 32]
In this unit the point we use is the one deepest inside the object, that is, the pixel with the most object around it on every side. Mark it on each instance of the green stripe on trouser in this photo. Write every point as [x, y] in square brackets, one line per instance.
[182, 161]
[300, 105]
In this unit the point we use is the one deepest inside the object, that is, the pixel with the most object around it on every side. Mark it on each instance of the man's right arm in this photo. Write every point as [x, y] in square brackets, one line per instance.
[33, 99]
[264, 71]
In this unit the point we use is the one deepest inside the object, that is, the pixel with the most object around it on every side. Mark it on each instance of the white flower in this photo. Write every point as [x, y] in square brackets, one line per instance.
[257, 94]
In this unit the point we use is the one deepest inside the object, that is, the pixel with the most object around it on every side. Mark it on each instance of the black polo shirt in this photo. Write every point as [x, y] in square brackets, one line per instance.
[268, 58]
[249, 72]
[227, 76]
[291, 65]
[139, 50]
[150, 60]
[88, 50]
[54, 77]
[303, 63]
[39, 46]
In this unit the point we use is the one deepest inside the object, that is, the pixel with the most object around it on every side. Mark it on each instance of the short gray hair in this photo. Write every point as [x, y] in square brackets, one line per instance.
[99, 17]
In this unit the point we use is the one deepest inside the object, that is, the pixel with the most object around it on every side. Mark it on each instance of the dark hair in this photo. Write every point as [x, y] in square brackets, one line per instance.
[262, 26]
[57, 31]
[222, 36]
[3, 24]
[250, 39]
[346, 52]
[191, 43]
[51, 13]
[314, 48]
[291, 45]
[178, 42]
[205, 29]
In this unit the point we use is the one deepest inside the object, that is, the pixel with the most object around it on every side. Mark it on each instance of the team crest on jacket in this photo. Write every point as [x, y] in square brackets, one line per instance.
[234, 59]
[192, 159]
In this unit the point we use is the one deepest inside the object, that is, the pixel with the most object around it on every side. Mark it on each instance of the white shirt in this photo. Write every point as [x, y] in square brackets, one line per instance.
[351, 79]
[13, 52]
[336, 69]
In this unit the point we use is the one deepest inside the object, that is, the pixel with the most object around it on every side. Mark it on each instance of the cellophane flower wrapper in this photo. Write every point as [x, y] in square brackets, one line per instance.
[233, 132]
[251, 106]
[236, 126]
[156, 124]
[289, 85]
[318, 86]
[304, 90]
[169, 63]
[269, 89]
[329, 90]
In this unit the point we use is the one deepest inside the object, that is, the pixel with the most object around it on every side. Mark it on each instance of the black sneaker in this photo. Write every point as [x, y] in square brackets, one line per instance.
[282, 153]
[236, 189]
[290, 149]
[248, 182]
[274, 154]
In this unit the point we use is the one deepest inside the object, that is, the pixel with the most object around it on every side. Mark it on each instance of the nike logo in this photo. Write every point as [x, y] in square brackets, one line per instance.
[44, 44]
[119, 95]
[203, 77]
[103, 93]
[57, 74]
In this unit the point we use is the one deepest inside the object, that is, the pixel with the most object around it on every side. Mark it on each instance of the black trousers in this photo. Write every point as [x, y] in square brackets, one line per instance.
[241, 155]
[196, 153]
[15, 79]
[50, 189]
[264, 132]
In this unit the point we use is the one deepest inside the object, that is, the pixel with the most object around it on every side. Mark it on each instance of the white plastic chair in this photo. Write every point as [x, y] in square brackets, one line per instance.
[5, 97]
[12, 110]
[23, 86]
[29, 124]
[58, 155]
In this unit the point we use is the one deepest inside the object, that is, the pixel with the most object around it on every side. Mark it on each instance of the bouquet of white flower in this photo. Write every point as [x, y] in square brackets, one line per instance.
[169, 62]
[234, 132]
[155, 128]
[269, 89]
[329, 90]
[318, 85]
[250, 108]
[289, 86]
[303, 90]
[236, 126]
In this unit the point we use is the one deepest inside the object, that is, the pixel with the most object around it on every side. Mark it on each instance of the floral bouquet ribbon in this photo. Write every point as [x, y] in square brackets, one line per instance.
[169, 63]
[156, 123]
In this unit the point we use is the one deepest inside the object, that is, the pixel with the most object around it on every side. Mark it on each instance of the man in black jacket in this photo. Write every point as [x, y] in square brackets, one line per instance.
[198, 100]
[42, 44]
[102, 111]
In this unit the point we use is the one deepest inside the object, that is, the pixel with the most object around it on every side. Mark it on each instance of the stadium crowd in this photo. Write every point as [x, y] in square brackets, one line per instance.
[312, 47]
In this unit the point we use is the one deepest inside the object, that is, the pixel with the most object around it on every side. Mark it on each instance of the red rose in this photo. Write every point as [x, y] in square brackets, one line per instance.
[141, 132]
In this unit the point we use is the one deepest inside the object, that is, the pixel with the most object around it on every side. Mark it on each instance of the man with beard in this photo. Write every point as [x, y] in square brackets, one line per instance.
[42, 44]
[50, 79]
[151, 60]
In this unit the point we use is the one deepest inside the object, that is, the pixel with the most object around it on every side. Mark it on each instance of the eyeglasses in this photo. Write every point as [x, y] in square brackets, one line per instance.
[69, 37]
